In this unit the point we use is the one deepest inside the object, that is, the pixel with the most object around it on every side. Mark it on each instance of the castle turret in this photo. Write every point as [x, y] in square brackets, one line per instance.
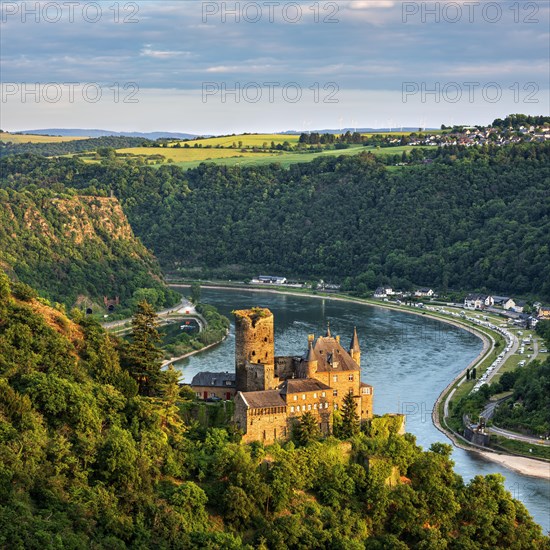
[354, 349]
[328, 335]
[254, 349]
[310, 362]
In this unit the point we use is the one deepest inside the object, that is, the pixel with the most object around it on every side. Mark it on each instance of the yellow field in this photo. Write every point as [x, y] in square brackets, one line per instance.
[189, 155]
[252, 140]
[30, 138]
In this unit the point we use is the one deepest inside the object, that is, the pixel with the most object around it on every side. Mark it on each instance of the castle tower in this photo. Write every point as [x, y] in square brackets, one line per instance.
[254, 349]
[354, 349]
[310, 362]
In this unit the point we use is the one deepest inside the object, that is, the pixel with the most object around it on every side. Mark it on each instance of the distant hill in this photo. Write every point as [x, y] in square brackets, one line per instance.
[80, 132]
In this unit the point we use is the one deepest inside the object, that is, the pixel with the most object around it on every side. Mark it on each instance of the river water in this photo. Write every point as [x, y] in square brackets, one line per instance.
[408, 359]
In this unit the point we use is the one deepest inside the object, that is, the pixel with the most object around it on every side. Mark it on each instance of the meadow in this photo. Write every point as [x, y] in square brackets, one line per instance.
[193, 157]
[31, 138]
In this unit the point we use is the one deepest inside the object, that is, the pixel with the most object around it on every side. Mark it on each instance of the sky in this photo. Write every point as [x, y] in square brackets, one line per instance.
[209, 67]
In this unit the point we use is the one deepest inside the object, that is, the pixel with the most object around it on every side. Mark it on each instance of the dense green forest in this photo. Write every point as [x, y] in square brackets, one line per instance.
[470, 218]
[76, 249]
[71, 147]
[88, 462]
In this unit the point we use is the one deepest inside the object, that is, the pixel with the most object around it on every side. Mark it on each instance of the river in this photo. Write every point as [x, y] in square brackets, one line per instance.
[408, 359]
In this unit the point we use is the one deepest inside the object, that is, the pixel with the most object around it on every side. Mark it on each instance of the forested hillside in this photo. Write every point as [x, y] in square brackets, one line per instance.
[463, 218]
[88, 462]
[73, 247]
[70, 147]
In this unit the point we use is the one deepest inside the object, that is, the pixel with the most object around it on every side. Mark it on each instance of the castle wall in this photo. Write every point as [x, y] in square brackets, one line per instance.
[259, 377]
[366, 403]
[319, 404]
[285, 367]
[340, 384]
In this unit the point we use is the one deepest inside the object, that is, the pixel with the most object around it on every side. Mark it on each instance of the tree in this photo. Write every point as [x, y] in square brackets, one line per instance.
[195, 293]
[143, 353]
[306, 430]
[350, 418]
[170, 390]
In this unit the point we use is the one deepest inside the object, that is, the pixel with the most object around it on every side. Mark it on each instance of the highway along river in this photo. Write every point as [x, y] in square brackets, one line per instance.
[408, 359]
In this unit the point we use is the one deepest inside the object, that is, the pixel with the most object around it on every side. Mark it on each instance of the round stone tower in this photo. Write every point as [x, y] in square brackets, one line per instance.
[254, 349]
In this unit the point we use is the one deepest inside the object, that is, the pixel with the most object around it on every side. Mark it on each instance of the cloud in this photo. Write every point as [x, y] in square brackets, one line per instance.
[148, 51]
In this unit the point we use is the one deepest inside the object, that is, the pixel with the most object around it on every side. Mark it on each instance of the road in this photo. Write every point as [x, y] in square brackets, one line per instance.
[488, 413]
[513, 349]
[517, 437]
[184, 309]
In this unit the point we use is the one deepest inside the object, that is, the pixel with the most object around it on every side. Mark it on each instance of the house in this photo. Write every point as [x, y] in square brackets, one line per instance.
[383, 292]
[518, 307]
[272, 280]
[478, 301]
[504, 302]
[424, 293]
[217, 385]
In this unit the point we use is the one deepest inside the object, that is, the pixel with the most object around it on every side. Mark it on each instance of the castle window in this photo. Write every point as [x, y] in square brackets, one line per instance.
[335, 406]
[295, 398]
[309, 407]
[350, 377]
[298, 408]
[335, 378]
[350, 391]
[335, 393]
[265, 339]
[315, 406]
[326, 404]
[292, 409]
[304, 396]
[323, 394]
[314, 396]
[253, 353]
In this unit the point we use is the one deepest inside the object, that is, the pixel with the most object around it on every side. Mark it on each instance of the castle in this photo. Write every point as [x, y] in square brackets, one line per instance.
[273, 392]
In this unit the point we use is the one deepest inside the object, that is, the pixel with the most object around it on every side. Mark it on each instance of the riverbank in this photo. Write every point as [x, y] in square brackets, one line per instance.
[173, 360]
[526, 466]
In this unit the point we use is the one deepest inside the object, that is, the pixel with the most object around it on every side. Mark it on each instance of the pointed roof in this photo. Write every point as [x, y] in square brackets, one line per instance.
[310, 354]
[354, 346]
[328, 335]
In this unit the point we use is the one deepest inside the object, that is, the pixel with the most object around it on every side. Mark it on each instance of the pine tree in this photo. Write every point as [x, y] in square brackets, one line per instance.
[307, 430]
[350, 418]
[143, 353]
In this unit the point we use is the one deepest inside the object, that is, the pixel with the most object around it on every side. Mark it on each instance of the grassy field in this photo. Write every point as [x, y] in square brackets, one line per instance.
[248, 140]
[181, 155]
[30, 138]
[230, 157]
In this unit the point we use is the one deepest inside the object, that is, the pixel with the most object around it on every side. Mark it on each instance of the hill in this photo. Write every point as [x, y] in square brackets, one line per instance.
[455, 217]
[75, 248]
[51, 146]
[94, 133]
[87, 462]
